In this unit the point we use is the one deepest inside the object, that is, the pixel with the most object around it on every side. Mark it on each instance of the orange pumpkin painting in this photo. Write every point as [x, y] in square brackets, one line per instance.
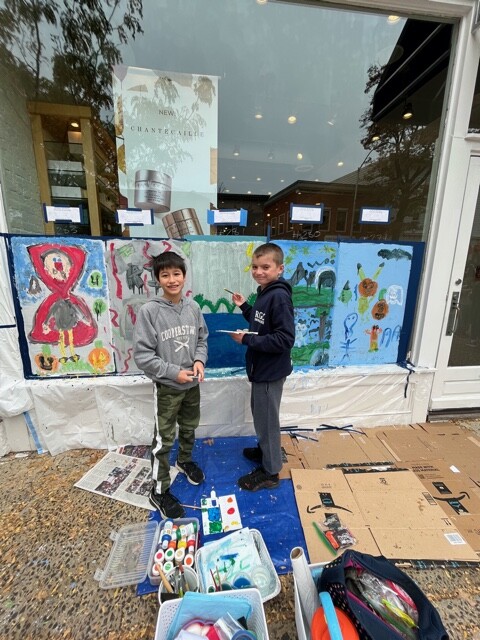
[45, 361]
[99, 357]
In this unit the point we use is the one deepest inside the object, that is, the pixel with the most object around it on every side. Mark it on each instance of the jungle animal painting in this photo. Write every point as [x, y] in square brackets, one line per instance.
[310, 268]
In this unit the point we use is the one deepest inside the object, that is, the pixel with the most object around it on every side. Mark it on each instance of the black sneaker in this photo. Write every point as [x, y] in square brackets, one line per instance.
[258, 479]
[168, 505]
[254, 454]
[193, 472]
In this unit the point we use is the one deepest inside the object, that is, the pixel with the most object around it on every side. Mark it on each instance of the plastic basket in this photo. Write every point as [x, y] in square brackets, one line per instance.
[265, 560]
[256, 621]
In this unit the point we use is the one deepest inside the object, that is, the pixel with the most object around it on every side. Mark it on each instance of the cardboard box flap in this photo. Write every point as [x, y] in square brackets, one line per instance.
[454, 497]
[429, 544]
[384, 481]
[405, 444]
[400, 510]
[331, 447]
[469, 528]
[372, 447]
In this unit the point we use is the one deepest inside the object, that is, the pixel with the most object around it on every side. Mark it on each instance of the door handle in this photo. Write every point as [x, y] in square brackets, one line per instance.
[453, 314]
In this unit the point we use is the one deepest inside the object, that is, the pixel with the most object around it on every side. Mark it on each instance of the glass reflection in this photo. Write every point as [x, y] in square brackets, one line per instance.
[332, 88]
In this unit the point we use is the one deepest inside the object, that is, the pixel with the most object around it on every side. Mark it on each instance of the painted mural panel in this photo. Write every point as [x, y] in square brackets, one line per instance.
[311, 268]
[78, 298]
[369, 301]
[131, 281]
[219, 266]
[63, 295]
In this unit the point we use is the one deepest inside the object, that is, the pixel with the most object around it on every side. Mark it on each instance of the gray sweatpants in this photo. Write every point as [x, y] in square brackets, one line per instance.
[265, 400]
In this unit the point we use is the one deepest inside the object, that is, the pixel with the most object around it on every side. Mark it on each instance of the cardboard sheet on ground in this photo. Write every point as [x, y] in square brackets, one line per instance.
[454, 445]
[390, 513]
[273, 513]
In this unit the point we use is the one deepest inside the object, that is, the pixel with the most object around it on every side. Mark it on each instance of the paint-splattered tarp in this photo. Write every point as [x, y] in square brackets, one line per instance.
[271, 512]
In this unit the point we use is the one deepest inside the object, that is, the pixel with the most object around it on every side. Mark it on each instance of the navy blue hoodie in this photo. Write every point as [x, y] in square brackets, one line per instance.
[268, 353]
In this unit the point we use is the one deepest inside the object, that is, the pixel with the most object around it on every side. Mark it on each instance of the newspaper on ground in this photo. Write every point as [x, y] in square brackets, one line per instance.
[135, 450]
[120, 477]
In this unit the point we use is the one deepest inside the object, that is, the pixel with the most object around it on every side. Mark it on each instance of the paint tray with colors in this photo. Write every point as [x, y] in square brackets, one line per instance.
[238, 560]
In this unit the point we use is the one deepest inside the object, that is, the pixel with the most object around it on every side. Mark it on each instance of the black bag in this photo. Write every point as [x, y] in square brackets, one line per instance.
[369, 624]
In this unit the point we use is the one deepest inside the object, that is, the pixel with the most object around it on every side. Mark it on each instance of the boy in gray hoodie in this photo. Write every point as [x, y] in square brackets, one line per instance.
[170, 347]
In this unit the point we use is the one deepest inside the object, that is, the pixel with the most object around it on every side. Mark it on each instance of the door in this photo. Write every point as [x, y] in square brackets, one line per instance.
[457, 379]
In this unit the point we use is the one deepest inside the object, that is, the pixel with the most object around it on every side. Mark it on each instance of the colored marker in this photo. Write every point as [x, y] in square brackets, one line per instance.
[324, 538]
[228, 291]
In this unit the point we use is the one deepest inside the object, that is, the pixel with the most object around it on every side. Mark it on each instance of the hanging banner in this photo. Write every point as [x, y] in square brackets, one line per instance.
[166, 130]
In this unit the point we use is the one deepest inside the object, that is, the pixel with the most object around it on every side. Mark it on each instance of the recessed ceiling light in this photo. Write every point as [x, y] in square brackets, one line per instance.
[262, 1]
[316, 180]
[292, 119]
[236, 152]
[234, 177]
[340, 163]
[331, 122]
[268, 215]
[408, 111]
[258, 179]
[282, 180]
[75, 124]
[227, 190]
[393, 19]
[269, 193]
[249, 192]
[258, 116]
[299, 156]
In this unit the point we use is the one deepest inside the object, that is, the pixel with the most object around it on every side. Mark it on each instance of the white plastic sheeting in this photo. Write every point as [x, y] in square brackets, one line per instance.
[95, 413]
[14, 397]
[103, 413]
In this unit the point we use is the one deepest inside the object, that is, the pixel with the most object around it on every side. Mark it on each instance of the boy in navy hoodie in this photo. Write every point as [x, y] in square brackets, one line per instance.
[268, 361]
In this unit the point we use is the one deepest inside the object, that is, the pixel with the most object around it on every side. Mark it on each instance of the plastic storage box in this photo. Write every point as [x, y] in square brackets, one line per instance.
[266, 563]
[179, 521]
[256, 622]
[132, 554]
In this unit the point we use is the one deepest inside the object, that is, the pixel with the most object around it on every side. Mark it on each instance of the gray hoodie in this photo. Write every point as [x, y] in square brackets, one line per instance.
[169, 337]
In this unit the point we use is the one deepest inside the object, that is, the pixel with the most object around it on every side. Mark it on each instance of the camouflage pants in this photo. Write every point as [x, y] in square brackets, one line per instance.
[173, 407]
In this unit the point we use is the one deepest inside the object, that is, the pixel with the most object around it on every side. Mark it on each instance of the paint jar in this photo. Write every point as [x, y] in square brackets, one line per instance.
[262, 579]
[241, 581]
[183, 222]
[153, 190]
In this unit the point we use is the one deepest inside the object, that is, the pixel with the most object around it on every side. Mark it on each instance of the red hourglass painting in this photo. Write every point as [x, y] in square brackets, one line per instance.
[62, 318]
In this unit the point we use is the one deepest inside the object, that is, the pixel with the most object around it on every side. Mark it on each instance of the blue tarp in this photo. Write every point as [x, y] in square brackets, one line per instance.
[272, 512]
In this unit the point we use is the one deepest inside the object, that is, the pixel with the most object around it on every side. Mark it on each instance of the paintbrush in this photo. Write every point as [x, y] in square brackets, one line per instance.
[164, 579]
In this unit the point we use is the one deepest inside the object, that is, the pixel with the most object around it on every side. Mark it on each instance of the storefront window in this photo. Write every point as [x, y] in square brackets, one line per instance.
[312, 107]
